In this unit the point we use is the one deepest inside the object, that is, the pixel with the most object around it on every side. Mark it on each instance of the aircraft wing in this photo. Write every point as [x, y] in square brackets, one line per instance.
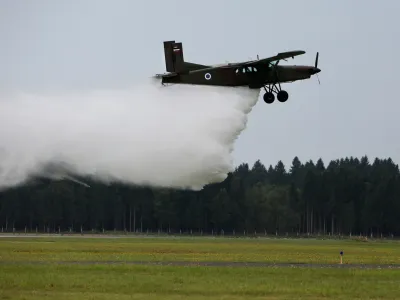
[279, 56]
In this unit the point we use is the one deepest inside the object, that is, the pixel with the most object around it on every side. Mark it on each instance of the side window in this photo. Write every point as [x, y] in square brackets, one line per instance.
[251, 69]
[245, 70]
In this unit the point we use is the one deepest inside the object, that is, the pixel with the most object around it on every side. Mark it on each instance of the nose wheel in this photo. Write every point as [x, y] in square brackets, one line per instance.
[269, 96]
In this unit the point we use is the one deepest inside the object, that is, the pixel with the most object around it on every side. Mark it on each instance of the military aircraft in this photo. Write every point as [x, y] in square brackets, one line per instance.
[261, 73]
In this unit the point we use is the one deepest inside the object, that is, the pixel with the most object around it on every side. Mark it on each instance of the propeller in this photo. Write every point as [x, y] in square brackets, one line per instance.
[316, 65]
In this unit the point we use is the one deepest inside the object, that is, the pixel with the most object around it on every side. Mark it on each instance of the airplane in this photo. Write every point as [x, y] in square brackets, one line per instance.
[261, 73]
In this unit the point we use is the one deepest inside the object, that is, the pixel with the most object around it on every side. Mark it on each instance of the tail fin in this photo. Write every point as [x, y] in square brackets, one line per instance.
[174, 61]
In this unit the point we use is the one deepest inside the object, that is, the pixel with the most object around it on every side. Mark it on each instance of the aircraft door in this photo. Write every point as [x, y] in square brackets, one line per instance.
[249, 75]
[252, 75]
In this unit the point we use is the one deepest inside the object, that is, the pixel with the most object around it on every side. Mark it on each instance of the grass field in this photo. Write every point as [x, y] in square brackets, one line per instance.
[47, 279]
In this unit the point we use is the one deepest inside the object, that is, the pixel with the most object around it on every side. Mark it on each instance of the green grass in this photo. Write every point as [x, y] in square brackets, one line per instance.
[154, 282]
[199, 249]
[101, 281]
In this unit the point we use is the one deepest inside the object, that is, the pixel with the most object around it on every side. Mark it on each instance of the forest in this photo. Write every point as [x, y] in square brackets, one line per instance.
[345, 196]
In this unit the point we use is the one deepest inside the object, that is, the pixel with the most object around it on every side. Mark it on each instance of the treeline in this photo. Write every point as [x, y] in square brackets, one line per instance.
[348, 196]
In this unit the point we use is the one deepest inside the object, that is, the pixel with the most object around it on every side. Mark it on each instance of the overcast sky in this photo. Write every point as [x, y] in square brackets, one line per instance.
[98, 43]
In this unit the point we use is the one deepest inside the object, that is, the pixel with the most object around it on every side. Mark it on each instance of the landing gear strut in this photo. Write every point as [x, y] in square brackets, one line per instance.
[269, 96]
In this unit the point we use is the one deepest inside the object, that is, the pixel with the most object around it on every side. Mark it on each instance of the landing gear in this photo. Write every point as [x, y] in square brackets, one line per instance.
[269, 96]
[282, 96]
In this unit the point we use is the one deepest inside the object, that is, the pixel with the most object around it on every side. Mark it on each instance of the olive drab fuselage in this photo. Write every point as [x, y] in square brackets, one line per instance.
[261, 73]
[254, 77]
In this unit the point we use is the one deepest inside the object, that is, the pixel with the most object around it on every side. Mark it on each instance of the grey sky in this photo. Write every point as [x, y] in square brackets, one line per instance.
[80, 44]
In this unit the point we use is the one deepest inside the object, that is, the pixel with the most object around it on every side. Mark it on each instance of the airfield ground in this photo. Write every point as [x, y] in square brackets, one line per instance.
[60, 267]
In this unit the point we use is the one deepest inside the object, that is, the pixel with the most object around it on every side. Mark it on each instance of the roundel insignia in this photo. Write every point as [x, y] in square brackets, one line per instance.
[207, 76]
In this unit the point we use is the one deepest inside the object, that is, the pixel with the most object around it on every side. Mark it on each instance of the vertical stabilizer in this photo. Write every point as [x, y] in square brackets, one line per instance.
[174, 61]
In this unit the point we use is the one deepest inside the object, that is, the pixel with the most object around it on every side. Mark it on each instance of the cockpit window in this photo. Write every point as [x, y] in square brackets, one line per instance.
[273, 63]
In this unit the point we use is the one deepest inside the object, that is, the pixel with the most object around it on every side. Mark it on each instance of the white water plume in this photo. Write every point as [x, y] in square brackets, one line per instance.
[177, 136]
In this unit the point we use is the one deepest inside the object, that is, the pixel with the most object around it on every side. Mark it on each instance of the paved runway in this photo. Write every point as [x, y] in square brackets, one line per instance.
[213, 264]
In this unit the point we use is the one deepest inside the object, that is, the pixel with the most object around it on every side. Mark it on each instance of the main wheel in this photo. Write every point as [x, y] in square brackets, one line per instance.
[282, 96]
[269, 97]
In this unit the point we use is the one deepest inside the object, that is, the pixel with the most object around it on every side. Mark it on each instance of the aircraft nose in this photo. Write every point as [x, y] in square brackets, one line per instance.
[313, 70]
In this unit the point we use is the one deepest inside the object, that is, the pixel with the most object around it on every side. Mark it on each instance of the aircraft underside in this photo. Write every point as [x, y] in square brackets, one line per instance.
[271, 89]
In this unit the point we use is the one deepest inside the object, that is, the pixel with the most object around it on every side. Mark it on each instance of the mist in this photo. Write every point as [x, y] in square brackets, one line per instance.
[178, 136]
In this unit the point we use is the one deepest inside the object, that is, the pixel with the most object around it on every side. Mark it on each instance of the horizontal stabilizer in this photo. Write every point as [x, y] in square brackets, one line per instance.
[172, 74]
